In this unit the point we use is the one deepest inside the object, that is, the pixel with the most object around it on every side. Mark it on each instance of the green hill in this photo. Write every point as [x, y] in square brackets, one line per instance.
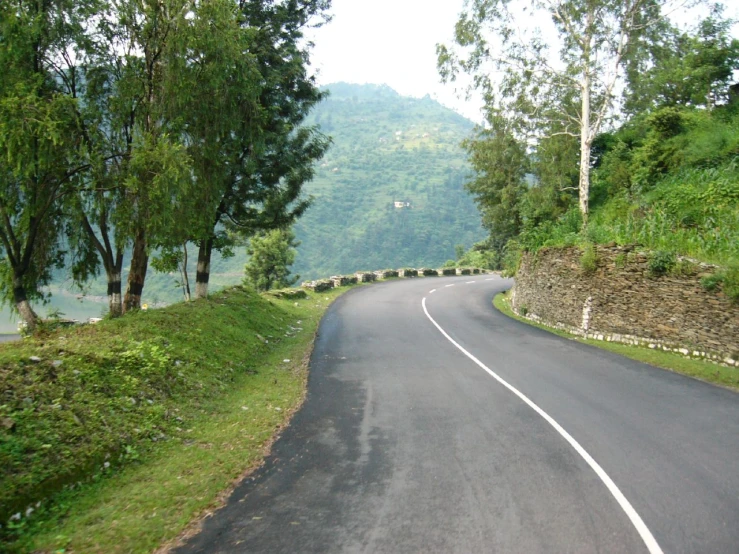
[387, 148]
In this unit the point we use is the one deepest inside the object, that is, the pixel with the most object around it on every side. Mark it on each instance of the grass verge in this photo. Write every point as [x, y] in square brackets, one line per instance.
[151, 416]
[698, 369]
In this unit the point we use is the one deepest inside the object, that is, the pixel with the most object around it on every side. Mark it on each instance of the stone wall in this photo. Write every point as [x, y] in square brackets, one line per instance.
[369, 276]
[620, 301]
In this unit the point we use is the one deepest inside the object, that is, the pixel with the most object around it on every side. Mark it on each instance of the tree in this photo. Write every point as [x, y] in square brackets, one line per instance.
[269, 162]
[594, 38]
[500, 164]
[271, 253]
[42, 154]
[167, 82]
[685, 68]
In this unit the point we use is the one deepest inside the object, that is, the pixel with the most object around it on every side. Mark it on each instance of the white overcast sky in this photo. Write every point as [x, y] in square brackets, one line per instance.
[393, 42]
[389, 42]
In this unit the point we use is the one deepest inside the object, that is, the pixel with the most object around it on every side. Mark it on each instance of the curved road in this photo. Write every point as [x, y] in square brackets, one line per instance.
[477, 433]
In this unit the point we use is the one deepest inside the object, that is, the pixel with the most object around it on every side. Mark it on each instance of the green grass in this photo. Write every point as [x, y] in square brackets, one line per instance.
[698, 369]
[210, 386]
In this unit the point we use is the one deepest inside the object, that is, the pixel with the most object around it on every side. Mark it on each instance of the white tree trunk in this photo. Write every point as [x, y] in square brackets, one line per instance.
[27, 314]
[585, 145]
[115, 300]
[202, 276]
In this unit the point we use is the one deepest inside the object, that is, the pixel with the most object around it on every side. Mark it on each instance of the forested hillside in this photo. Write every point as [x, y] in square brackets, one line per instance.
[565, 161]
[386, 148]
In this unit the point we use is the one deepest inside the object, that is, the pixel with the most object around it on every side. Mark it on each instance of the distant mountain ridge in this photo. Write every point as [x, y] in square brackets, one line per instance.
[387, 148]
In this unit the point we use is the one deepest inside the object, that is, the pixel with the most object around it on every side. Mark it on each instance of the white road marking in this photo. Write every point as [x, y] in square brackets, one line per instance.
[649, 541]
[447, 286]
[493, 279]
[470, 282]
[432, 291]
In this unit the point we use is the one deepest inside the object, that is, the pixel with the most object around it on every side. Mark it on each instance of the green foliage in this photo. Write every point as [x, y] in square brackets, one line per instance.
[686, 68]
[589, 259]
[661, 263]
[101, 390]
[353, 222]
[270, 256]
[712, 282]
[121, 460]
[727, 280]
[620, 261]
[731, 282]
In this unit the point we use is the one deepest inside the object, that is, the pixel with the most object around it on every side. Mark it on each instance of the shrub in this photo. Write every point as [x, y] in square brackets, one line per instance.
[661, 263]
[589, 259]
[727, 280]
[711, 282]
[449, 271]
[620, 260]
[427, 272]
[731, 282]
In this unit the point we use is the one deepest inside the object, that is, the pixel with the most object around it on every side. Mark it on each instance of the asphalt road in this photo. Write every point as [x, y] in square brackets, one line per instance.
[407, 444]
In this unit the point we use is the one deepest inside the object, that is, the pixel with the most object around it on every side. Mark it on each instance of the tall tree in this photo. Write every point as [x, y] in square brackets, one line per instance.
[267, 166]
[42, 154]
[500, 163]
[594, 38]
[142, 194]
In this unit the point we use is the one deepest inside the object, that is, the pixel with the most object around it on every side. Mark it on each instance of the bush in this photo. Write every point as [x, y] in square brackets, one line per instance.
[449, 271]
[589, 259]
[427, 272]
[727, 279]
[661, 263]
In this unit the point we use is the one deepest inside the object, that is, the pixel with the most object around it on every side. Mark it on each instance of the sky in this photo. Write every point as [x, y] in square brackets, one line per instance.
[390, 42]
[393, 42]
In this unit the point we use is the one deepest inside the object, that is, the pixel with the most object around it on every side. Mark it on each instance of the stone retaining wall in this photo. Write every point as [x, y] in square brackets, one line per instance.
[620, 301]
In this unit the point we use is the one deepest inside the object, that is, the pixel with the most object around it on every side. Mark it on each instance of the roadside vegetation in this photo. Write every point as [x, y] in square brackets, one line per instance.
[150, 133]
[114, 436]
[699, 369]
[661, 163]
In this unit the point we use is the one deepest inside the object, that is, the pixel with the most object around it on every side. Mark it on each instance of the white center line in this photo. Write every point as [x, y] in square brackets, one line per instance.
[470, 282]
[432, 291]
[447, 286]
[490, 279]
[641, 527]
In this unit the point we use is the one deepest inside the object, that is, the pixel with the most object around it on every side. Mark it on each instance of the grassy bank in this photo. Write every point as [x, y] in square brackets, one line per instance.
[699, 369]
[126, 430]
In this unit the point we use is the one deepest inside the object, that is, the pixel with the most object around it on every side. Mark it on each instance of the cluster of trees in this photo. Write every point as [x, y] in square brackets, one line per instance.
[143, 126]
[559, 102]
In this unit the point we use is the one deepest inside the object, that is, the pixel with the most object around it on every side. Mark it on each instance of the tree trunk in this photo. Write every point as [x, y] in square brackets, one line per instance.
[185, 277]
[203, 270]
[585, 145]
[137, 273]
[114, 294]
[23, 306]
